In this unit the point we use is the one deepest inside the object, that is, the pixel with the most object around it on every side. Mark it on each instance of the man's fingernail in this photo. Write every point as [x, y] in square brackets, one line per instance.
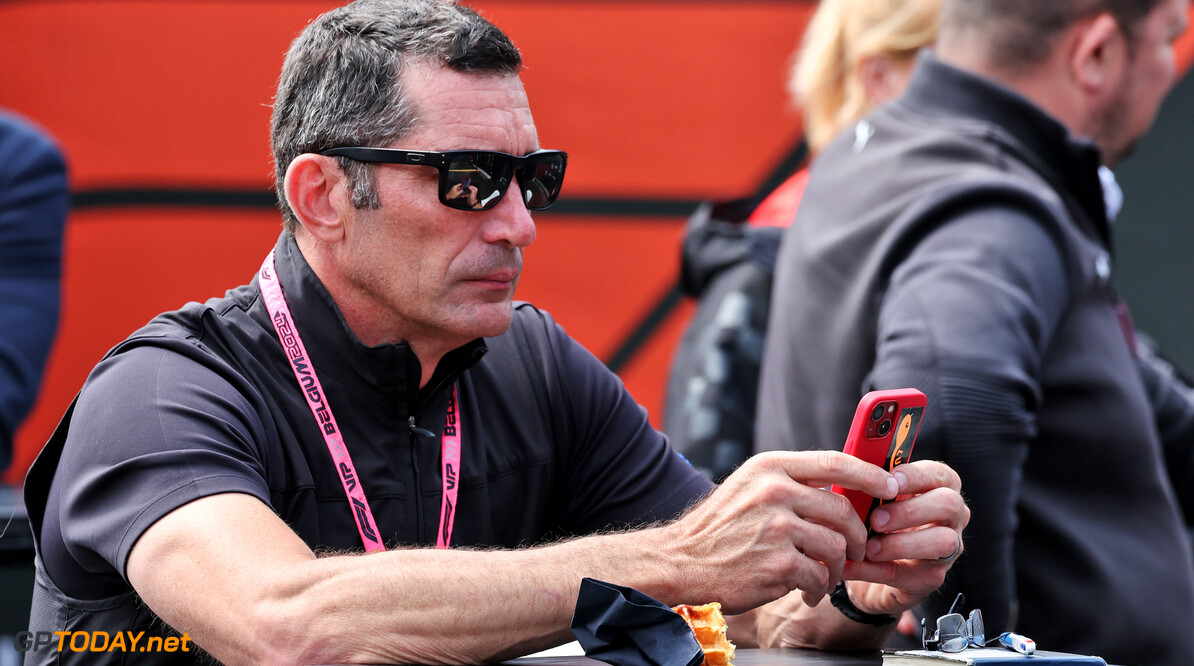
[901, 479]
[872, 548]
[894, 484]
[880, 518]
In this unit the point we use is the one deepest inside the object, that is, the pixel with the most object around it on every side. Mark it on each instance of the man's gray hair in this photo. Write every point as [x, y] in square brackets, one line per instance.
[341, 83]
[1022, 33]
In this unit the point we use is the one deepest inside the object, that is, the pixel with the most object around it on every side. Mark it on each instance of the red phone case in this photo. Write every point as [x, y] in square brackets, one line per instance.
[883, 432]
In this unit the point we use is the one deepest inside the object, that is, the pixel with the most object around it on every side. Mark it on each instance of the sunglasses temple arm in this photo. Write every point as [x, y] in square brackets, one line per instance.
[958, 601]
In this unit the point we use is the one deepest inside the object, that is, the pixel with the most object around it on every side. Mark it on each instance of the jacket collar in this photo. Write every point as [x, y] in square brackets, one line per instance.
[337, 353]
[1071, 164]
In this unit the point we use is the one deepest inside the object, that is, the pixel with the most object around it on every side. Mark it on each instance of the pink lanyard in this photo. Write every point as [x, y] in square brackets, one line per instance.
[296, 353]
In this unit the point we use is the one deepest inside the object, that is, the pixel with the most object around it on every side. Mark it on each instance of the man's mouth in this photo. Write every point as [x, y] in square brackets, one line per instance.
[497, 279]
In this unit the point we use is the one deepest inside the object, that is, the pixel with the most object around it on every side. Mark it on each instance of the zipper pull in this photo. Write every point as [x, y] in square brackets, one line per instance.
[416, 430]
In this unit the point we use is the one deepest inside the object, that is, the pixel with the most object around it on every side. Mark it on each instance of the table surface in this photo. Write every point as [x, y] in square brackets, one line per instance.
[750, 657]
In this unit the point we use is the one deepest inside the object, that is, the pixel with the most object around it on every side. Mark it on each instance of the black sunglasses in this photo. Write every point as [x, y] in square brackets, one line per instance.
[477, 179]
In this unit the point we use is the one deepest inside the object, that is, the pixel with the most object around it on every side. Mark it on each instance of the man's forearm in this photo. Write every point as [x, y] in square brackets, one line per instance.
[454, 606]
[233, 576]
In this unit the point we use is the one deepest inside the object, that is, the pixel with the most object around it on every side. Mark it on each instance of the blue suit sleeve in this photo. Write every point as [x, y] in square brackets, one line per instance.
[33, 207]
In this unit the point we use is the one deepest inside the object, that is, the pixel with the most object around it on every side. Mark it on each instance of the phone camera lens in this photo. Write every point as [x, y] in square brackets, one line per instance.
[884, 426]
[877, 413]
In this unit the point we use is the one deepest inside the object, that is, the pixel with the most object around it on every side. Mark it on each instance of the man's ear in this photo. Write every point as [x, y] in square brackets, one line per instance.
[318, 191]
[1099, 56]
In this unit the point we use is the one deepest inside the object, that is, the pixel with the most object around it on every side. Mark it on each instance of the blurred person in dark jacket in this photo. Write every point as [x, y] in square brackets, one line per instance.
[33, 207]
[957, 240]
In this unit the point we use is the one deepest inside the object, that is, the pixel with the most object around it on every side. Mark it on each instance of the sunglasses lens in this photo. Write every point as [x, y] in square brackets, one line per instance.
[978, 632]
[928, 641]
[541, 178]
[953, 632]
[475, 181]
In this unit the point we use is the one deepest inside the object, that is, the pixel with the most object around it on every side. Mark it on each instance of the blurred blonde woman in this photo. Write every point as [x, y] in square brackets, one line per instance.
[855, 55]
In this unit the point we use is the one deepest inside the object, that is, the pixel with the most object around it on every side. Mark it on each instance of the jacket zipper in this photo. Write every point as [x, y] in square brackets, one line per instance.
[415, 433]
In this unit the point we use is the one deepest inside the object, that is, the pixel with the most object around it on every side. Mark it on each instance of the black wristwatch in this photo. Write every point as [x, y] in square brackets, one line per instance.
[840, 598]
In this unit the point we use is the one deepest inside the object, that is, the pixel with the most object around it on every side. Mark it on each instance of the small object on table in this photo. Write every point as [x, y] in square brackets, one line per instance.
[1021, 644]
[709, 627]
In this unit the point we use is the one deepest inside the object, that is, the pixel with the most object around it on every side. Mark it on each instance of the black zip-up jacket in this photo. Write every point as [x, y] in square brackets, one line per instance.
[956, 241]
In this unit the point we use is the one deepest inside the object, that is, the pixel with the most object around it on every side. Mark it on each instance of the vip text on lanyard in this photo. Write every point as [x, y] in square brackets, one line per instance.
[304, 373]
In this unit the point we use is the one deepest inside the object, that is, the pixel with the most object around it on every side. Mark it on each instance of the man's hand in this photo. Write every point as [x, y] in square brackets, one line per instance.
[457, 191]
[920, 538]
[771, 527]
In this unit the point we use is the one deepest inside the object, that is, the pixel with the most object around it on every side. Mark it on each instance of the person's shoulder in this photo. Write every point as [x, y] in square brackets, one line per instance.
[192, 330]
[949, 164]
[193, 355]
[530, 321]
[13, 126]
[23, 141]
[533, 331]
[182, 351]
[534, 338]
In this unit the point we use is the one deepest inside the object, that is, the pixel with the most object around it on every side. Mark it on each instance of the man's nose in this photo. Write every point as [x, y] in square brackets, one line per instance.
[510, 221]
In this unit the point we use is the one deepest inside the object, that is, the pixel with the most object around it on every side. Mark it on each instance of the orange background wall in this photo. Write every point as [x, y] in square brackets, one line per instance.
[659, 104]
[656, 102]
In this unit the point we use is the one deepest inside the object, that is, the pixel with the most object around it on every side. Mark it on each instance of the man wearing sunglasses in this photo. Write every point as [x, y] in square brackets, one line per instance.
[375, 389]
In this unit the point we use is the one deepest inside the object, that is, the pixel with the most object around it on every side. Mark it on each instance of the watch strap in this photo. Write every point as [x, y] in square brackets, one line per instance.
[840, 598]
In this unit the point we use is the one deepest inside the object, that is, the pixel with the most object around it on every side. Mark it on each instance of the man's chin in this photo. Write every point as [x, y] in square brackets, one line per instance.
[1125, 152]
[492, 319]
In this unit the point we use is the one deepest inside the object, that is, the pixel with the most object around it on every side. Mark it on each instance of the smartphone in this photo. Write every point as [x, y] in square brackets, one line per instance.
[883, 432]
